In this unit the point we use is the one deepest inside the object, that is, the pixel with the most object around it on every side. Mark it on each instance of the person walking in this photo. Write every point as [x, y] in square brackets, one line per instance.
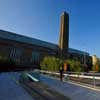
[61, 73]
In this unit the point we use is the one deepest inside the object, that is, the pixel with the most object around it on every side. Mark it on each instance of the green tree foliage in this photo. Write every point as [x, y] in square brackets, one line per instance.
[51, 63]
[75, 66]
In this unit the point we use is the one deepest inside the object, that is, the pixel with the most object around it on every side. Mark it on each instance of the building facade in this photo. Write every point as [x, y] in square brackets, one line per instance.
[26, 51]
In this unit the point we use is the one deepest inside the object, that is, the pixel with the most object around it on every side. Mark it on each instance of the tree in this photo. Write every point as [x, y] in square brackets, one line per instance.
[75, 66]
[51, 63]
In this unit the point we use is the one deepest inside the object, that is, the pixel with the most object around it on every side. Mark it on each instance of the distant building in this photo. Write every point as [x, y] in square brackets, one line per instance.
[95, 59]
[30, 51]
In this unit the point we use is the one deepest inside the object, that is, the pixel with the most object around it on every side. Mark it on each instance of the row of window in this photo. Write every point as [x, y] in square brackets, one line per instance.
[19, 55]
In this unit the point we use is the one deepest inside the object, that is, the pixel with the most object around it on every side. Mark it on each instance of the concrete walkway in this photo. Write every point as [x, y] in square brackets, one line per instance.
[9, 88]
[72, 91]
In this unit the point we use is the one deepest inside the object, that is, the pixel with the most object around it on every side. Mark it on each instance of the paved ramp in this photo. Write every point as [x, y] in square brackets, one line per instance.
[72, 91]
[9, 88]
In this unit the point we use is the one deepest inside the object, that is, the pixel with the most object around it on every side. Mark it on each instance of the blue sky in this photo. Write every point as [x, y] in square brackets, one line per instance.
[41, 19]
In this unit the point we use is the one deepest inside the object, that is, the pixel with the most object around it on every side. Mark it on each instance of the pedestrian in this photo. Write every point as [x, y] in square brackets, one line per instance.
[61, 73]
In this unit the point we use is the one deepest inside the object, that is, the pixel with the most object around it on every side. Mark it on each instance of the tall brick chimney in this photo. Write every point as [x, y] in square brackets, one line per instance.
[64, 34]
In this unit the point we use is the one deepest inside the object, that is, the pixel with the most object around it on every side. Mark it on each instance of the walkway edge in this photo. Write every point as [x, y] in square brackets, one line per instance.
[74, 83]
[83, 85]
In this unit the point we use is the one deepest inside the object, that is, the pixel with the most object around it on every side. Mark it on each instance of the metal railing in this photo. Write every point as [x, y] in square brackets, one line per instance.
[90, 79]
